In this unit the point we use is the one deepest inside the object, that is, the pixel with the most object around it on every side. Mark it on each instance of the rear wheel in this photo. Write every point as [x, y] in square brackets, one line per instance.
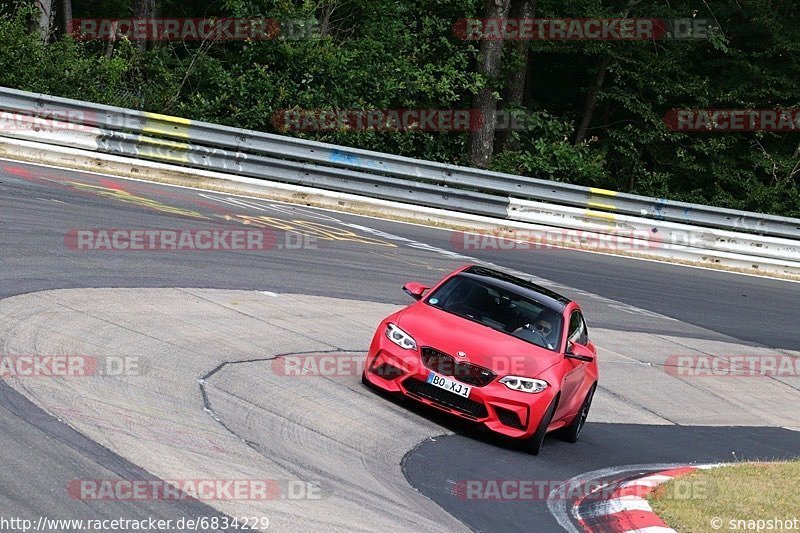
[573, 431]
[534, 443]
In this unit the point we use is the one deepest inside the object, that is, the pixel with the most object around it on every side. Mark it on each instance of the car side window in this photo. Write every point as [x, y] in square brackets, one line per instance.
[577, 329]
[584, 338]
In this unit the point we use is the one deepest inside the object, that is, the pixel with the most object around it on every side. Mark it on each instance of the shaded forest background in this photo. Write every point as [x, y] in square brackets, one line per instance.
[593, 109]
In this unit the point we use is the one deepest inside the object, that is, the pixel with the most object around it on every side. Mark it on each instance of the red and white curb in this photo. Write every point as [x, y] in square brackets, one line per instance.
[626, 509]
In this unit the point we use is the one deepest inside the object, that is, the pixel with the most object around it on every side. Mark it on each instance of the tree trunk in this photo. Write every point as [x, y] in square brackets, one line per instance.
[325, 24]
[489, 61]
[525, 9]
[515, 88]
[599, 78]
[144, 9]
[66, 8]
[111, 40]
[45, 18]
[527, 97]
[591, 100]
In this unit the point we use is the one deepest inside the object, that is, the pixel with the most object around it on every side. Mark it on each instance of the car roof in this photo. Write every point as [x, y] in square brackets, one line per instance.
[521, 286]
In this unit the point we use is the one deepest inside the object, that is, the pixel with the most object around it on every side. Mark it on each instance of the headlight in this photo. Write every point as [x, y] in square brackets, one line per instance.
[400, 337]
[533, 386]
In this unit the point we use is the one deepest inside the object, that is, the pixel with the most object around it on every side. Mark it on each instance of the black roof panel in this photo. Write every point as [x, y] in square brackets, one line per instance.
[521, 286]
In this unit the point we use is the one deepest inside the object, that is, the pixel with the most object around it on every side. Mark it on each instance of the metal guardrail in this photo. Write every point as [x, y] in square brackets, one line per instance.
[668, 239]
[375, 174]
[526, 220]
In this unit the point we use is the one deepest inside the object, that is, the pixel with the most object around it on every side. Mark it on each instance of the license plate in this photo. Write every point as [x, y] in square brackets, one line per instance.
[449, 385]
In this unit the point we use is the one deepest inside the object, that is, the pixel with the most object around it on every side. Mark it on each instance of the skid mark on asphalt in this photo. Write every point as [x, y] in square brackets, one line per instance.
[398, 257]
[207, 401]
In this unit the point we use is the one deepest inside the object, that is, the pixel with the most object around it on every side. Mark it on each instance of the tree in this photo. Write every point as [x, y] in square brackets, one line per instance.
[610, 97]
[66, 8]
[144, 10]
[515, 84]
[489, 62]
[597, 84]
[45, 18]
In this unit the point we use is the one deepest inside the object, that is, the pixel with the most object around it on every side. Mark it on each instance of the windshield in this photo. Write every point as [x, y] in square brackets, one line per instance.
[499, 309]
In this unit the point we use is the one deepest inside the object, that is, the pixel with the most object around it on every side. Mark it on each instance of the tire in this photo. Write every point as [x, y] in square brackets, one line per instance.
[572, 432]
[534, 443]
[364, 380]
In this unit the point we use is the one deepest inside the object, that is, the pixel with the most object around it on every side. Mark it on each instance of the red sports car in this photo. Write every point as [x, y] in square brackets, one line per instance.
[492, 348]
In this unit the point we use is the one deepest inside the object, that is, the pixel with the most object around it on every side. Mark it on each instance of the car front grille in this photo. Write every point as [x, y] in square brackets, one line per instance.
[468, 407]
[447, 365]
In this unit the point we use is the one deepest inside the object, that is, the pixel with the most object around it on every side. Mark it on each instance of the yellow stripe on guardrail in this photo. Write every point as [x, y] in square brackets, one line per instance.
[600, 203]
[602, 192]
[600, 214]
[175, 151]
[157, 124]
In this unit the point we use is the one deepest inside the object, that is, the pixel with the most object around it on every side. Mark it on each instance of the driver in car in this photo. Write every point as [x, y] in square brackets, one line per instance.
[540, 330]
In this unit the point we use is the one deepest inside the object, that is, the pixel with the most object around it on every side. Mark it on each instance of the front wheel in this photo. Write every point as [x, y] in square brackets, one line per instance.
[534, 443]
[573, 431]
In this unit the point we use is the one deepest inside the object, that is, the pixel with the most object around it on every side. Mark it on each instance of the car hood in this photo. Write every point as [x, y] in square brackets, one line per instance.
[484, 346]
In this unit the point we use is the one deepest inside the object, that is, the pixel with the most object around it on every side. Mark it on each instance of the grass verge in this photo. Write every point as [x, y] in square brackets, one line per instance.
[715, 499]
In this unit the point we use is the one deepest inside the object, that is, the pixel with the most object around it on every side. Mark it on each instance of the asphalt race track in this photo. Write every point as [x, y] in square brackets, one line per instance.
[209, 329]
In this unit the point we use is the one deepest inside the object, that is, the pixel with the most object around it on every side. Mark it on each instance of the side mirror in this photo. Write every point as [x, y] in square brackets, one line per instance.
[415, 290]
[579, 352]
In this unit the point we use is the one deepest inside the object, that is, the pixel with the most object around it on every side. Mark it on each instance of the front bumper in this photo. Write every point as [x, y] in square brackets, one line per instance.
[512, 413]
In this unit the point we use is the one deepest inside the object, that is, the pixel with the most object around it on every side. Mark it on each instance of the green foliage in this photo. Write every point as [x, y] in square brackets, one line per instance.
[544, 149]
[404, 54]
